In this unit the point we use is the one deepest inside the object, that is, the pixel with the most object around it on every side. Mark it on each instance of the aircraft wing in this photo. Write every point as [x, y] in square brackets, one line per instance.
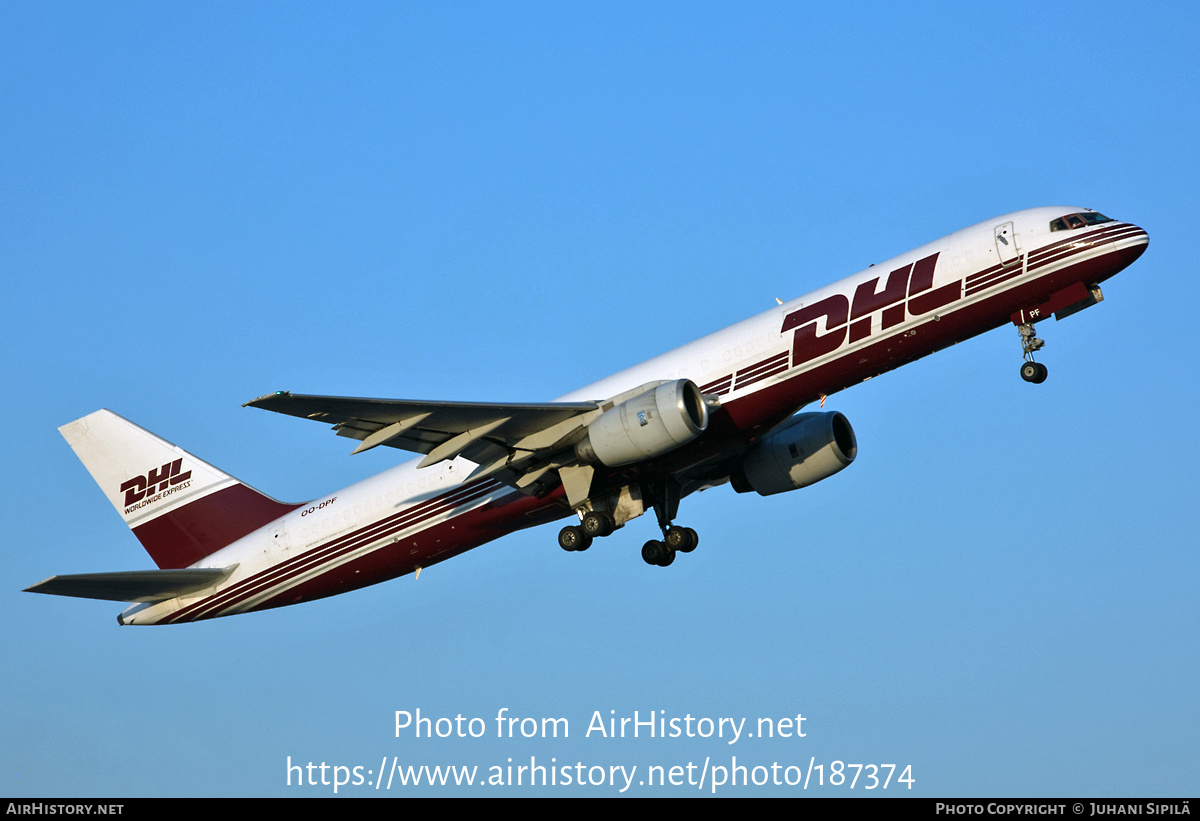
[515, 443]
[134, 585]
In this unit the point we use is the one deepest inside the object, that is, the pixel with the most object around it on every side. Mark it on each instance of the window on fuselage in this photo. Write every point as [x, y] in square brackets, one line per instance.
[1080, 220]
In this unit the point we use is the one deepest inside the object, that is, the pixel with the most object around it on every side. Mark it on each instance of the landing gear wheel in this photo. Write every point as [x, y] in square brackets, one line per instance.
[1031, 371]
[572, 538]
[1034, 372]
[597, 524]
[657, 553]
[650, 551]
[683, 539]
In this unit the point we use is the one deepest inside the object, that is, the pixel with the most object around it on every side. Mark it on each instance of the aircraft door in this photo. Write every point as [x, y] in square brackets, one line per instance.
[1007, 243]
[279, 538]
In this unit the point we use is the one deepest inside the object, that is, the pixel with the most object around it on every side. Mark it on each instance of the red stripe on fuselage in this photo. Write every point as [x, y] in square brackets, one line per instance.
[334, 550]
[442, 541]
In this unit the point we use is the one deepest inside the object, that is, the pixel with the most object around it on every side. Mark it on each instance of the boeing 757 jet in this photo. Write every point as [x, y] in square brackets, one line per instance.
[723, 409]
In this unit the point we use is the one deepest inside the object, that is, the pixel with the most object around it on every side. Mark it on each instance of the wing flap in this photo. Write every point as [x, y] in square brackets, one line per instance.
[134, 585]
[389, 432]
[440, 430]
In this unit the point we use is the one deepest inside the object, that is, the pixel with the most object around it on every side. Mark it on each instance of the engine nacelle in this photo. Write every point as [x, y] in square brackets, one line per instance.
[808, 448]
[648, 425]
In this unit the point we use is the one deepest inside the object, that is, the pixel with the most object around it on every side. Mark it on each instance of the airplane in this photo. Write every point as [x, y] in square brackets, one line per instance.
[723, 409]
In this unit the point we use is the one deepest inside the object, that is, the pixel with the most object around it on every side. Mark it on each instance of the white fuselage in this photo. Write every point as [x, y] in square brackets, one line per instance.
[763, 369]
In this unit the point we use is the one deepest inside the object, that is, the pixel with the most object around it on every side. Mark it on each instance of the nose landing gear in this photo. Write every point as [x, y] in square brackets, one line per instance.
[1031, 371]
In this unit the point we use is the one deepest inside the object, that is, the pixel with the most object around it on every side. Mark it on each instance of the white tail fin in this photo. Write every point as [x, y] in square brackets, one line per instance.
[180, 508]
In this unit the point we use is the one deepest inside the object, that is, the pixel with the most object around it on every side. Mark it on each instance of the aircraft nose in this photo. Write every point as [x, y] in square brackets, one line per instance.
[1139, 241]
[1128, 242]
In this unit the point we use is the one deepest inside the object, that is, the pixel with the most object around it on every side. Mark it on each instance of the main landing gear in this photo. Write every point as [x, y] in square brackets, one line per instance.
[675, 540]
[595, 524]
[1031, 371]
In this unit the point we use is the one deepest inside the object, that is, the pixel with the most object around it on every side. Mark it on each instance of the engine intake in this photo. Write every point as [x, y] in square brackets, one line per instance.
[650, 424]
[807, 448]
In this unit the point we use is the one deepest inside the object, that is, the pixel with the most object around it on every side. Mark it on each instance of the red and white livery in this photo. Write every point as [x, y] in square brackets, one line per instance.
[721, 409]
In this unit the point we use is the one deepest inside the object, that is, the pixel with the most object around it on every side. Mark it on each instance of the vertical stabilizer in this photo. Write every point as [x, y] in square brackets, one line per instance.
[180, 508]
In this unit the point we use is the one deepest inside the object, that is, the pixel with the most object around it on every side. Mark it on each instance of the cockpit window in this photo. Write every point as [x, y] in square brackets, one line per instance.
[1081, 220]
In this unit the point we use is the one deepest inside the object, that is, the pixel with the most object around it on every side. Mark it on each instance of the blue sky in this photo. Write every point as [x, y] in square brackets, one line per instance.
[202, 203]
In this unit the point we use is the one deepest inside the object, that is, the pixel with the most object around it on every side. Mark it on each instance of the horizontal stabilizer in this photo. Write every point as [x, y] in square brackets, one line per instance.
[134, 585]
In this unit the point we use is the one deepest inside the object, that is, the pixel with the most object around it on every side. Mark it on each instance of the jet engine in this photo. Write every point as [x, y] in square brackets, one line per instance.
[807, 448]
[650, 424]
